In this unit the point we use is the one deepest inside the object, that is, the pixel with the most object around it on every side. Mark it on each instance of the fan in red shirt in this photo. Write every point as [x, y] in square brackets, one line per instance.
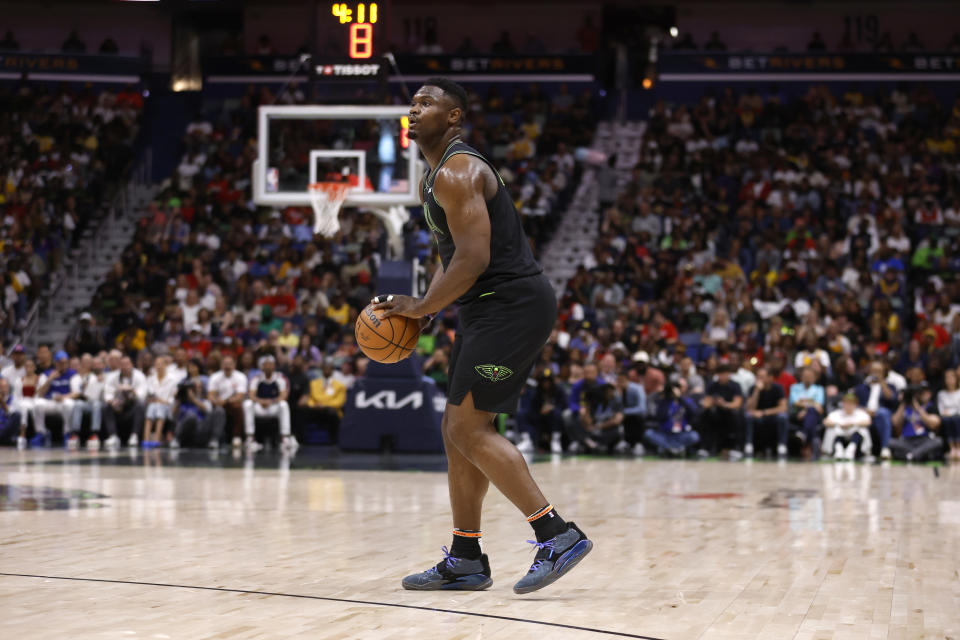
[666, 330]
[283, 302]
[197, 344]
[932, 332]
[778, 364]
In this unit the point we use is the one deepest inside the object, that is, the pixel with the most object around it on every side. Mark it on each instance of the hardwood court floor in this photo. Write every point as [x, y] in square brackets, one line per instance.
[146, 547]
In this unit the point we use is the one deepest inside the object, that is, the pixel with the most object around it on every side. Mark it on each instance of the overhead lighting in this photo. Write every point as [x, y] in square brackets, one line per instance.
[674, 32]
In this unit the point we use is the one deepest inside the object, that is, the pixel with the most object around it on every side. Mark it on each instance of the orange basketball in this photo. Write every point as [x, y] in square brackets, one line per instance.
[386, 340]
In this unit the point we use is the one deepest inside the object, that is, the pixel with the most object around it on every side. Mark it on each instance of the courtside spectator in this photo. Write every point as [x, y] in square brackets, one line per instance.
[541, 413]
[948, 407]
[879, 399]
[600, 422]
[227, 390]
[267, 398]
[633, 398]
[161, 394]
[192, 412]
[806, 404]
[847, 431]
[674, 433]
[721, 422]
[88, 387]
[124, 397]
[915, 424]
[766, 415]
[325, 401]
[9, 418]
[54, 397]
[24, 403]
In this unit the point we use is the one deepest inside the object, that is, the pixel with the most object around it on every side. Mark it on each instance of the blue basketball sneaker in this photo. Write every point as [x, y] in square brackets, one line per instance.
[554, 558]
[454, 574]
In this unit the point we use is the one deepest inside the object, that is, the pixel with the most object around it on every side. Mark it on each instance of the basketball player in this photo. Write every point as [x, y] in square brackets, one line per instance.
[507, 310]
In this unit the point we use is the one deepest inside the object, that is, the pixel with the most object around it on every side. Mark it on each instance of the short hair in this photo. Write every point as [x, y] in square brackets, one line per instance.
[451, 89]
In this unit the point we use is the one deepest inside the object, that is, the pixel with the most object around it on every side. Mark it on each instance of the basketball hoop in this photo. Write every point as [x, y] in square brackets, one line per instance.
[327, 198]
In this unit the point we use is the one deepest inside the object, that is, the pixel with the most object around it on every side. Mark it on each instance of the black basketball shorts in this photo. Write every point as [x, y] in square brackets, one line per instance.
[499, 337]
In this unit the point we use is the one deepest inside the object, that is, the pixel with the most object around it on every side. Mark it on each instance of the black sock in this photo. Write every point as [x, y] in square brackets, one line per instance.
[546, 523]
[466, 544]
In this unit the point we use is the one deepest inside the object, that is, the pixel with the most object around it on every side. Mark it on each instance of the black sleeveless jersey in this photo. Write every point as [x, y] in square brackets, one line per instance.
[510, 253]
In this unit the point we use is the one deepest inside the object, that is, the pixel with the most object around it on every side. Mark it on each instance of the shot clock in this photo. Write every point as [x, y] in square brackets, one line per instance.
[364, 20]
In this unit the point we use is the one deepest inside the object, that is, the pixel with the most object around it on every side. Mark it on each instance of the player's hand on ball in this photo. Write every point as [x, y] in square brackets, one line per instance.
[397, 305]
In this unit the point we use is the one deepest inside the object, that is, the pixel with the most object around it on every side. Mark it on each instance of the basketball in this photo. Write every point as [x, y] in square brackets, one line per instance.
[386, 340]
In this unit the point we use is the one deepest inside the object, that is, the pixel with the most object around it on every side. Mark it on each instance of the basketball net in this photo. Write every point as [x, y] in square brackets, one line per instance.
[327, 198]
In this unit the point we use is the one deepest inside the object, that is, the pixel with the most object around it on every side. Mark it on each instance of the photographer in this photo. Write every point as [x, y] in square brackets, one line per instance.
[543, 414]
[600, 423]
[914, 424]
[193, 413]
[674, 410]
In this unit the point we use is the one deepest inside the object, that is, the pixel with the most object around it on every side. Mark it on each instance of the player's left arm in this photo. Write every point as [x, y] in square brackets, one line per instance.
[459, 189]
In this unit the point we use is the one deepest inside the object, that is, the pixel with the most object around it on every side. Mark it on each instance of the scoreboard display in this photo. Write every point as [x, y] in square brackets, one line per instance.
[363, 22]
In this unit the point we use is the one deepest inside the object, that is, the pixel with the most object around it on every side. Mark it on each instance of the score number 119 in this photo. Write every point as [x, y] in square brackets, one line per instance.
[361, 20]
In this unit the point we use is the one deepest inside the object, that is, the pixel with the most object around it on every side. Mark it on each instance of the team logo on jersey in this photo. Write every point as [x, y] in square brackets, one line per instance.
[493, 372]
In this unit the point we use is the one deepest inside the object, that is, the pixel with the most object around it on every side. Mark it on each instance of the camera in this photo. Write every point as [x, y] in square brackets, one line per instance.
[183, 389]
[913, 392]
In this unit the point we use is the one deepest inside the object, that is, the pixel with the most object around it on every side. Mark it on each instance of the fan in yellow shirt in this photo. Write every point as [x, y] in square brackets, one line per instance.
[326, 392]
[324, 404]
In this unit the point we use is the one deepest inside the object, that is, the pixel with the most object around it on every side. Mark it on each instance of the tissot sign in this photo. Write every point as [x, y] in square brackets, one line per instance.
[351, 69]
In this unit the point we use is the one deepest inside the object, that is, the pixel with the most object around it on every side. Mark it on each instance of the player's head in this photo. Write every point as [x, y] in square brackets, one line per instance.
[437, 106]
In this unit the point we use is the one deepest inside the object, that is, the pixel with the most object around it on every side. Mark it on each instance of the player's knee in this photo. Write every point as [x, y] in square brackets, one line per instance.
[457, 431]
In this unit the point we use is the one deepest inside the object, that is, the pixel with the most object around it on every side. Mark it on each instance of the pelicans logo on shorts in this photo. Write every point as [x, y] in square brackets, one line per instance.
[493, 372]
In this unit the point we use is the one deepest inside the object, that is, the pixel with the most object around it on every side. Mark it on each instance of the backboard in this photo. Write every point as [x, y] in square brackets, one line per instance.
[303, 144]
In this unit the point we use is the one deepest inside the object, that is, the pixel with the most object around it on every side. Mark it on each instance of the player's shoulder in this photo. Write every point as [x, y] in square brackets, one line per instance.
[461, 172]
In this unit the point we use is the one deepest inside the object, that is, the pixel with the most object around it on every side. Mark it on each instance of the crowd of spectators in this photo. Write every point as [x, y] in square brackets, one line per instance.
[60, 152]
[775, 276]
[247, 301]
[770, 269]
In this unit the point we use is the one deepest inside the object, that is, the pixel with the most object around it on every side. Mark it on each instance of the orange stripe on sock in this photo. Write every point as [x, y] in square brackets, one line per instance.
[466, 534]
[541, 513]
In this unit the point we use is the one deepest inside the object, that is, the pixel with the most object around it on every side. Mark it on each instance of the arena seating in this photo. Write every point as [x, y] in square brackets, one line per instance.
[63, 151]
[745, 231]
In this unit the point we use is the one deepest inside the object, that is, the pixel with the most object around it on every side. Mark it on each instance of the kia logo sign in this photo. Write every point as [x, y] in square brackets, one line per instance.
[388, 400]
